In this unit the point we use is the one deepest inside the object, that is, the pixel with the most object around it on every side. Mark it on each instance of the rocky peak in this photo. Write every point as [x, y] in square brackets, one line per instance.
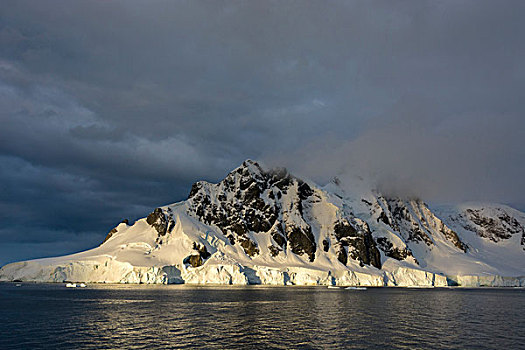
[252, 200]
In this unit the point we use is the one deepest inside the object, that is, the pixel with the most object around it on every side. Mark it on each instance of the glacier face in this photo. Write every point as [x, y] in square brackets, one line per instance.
[260, 226]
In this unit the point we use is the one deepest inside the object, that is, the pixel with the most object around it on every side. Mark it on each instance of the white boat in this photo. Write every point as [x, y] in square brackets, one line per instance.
[71, 285]
[356, 288]
[82, 285]
[333, 287]
[18, 285]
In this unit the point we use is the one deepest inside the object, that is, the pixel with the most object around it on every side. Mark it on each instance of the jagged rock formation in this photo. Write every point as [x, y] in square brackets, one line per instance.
[362, 246]
[393, 252]
[414, 220]
[267, 226]
[161, 221]
[197, 256]
[496, 225]
[250, 200]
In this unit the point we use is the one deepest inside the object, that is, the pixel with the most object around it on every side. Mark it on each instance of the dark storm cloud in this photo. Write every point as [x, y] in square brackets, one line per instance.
[108, 109]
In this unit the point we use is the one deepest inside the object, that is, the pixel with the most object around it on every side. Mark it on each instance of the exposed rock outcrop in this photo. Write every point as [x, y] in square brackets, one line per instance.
[501, 226]
[162, 222]
[414, 221]
[360, 243]
[394, 252]
[197, 256]
[114, 230]
[250, 199]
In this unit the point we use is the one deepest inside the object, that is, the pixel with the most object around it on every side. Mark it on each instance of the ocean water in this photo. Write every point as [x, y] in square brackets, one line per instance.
[50, 316]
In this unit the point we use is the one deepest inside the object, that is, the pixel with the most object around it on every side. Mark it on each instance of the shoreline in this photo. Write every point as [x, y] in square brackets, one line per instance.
[236, 286]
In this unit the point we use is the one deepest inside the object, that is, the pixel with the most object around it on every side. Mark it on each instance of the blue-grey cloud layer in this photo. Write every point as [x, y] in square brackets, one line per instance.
[108, 109]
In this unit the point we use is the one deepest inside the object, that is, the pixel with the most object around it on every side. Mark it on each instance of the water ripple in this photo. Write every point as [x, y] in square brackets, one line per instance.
[180, 317]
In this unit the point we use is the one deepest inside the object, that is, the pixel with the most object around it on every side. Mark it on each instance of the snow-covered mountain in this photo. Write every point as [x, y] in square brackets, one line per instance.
[261, 226]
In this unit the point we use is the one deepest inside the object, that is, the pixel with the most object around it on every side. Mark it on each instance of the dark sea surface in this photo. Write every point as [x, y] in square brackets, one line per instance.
[50, 316]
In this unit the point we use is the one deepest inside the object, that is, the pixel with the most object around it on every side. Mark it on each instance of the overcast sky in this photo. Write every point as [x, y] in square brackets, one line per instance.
[109, 109]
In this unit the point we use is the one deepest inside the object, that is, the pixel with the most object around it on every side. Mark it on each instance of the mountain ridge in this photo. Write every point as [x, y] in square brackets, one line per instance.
[266, 226]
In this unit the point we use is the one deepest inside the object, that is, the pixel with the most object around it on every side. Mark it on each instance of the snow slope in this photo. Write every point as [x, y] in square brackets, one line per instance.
[261, 226]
